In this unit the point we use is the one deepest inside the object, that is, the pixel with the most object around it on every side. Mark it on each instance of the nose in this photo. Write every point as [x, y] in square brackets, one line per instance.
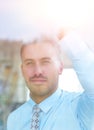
[37, 70]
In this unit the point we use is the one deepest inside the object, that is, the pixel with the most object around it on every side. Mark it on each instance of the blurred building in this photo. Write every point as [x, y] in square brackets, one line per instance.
[12, 90]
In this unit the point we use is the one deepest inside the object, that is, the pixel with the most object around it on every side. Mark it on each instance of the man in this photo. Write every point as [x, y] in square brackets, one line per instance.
[59, 110]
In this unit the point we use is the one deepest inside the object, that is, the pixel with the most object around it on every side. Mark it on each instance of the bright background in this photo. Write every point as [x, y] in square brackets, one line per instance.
[18, 17]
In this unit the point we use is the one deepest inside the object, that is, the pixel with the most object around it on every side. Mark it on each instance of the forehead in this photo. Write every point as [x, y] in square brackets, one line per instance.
[38, 50]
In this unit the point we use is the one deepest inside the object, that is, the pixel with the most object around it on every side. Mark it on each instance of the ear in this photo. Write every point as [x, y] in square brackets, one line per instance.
[22, 68]
[60, 68]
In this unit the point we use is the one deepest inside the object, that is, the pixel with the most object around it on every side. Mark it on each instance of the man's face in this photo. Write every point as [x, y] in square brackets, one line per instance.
[41, 69]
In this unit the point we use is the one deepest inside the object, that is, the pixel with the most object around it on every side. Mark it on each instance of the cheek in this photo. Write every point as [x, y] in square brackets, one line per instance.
[27, 73]
[51, 71]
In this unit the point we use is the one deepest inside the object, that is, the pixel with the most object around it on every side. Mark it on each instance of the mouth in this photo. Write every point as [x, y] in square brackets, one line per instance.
[38, 81]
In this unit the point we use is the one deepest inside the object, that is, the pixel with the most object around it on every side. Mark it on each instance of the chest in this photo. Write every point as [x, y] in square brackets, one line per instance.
[60, 118]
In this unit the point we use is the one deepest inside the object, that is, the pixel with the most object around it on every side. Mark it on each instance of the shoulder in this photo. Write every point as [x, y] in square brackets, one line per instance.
[20, 111]
[71, 97]
[19, 116]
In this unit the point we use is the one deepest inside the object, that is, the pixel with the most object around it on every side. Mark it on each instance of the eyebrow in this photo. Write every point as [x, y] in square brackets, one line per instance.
[44, 58]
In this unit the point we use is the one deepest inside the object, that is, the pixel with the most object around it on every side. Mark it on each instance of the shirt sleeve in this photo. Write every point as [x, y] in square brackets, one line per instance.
[83, 62]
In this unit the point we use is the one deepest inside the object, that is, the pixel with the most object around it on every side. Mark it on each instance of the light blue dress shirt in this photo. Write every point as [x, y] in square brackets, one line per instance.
[64, 110]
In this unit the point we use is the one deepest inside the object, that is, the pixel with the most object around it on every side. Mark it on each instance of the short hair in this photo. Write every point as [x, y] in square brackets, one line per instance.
[53, 40]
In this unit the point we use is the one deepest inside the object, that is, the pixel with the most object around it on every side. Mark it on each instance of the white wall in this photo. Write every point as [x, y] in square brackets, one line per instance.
[69, 81]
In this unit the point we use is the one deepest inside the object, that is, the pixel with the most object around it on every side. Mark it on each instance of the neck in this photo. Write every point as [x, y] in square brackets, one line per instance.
[39, 98]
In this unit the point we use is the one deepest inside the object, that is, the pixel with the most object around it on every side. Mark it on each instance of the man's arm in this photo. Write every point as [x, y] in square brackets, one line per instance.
[83, 62]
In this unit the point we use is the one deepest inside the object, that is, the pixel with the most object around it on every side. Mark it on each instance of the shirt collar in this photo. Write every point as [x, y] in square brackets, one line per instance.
[48, 102]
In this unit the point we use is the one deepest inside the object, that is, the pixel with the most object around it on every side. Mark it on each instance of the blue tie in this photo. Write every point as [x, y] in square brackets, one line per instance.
[35, 118]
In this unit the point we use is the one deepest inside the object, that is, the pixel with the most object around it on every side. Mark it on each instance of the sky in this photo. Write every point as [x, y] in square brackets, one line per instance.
[20, 19]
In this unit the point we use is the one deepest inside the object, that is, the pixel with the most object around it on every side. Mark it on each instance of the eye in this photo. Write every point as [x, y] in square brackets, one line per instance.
[46, 62]
[29, 63]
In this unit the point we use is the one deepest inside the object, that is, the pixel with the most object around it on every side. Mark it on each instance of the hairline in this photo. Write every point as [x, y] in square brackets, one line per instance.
[44, 40]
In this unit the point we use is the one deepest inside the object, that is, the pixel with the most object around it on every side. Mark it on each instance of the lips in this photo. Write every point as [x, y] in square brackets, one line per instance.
[38, 80]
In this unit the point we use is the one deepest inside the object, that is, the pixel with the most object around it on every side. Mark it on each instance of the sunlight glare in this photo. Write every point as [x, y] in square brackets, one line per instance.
[58, 12]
